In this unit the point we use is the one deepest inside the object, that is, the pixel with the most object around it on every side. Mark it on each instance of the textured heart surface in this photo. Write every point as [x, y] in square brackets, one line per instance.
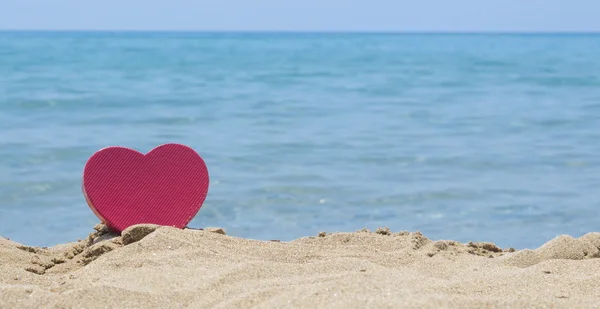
[166, 186]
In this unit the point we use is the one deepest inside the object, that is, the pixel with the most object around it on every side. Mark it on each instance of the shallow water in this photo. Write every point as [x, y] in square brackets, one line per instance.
[464, 137]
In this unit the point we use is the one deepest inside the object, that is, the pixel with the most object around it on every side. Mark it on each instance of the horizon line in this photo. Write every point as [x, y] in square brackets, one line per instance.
[257, 31]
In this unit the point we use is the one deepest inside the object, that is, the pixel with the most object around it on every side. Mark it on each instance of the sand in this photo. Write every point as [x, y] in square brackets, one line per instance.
[162, 267]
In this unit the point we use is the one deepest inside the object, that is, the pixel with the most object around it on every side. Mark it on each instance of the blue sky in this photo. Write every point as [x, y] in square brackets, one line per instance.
[303, 15]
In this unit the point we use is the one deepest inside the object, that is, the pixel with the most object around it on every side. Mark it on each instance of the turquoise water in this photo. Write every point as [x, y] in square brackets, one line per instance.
[464, 137]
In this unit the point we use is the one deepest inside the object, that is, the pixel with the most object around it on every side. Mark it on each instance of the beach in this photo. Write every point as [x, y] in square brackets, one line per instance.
[158, 267]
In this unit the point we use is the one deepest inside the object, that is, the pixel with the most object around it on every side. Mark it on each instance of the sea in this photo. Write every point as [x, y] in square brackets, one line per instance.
[469, 137]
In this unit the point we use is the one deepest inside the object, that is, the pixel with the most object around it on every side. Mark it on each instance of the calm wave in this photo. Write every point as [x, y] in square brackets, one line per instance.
[464, 137]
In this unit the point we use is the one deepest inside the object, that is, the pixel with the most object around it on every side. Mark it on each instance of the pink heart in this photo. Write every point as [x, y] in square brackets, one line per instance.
[166, 186]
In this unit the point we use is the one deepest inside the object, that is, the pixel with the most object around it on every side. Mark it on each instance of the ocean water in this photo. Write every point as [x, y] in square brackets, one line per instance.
[470, 137]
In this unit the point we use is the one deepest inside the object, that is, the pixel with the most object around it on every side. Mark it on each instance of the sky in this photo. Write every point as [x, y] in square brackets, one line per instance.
[304, 15]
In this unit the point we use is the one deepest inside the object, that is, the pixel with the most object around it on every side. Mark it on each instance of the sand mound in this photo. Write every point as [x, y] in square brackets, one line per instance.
[157, 267]
[561, 247]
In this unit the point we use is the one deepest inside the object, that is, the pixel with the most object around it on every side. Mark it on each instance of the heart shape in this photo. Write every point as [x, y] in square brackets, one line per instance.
[166, 186]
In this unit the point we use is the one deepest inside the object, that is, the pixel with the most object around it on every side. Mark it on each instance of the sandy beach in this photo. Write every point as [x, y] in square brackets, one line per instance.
[163, 267]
